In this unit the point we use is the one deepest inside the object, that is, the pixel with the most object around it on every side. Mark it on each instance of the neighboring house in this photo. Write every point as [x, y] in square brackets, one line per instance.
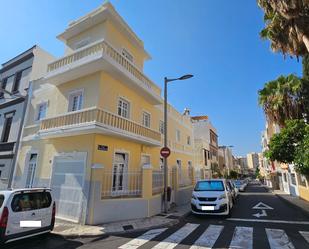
[206, 145]
[278, 175]
[227, 159]
[15, 77]
[95, 128]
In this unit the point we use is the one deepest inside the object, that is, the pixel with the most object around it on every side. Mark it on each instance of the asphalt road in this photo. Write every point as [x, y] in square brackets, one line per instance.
[278, 227]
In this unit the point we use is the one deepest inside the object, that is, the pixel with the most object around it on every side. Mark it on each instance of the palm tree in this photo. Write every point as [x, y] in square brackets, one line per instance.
[281, 100]
[287, 25]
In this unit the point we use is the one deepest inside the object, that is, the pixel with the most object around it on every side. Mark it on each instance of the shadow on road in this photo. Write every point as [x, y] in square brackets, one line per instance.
[46, 241]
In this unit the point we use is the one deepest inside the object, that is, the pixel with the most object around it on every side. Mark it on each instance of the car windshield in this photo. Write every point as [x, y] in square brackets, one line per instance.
[1, 200]
[209, 186]
[238, 182]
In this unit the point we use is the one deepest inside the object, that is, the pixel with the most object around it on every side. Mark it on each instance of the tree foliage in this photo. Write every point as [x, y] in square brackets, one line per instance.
[302, 154]
[281, 99]
[291, 145]
[233, 174]
[286, 25]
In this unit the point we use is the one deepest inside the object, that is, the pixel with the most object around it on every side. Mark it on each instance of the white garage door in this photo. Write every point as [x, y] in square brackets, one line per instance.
[67, 184]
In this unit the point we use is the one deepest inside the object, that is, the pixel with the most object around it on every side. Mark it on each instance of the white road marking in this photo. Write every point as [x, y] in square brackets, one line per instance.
[173, 240]
[261, 205]
[258, 215]
[143, 239]
[208, 238]
[242, 238]
[271, 221]
[305, 234]
[278, 239]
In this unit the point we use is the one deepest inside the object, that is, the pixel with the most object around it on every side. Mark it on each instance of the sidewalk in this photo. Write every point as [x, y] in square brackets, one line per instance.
[70, 230]
[293, 200]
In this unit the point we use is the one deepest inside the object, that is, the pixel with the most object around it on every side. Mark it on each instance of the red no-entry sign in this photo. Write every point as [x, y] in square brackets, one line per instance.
[165, 152]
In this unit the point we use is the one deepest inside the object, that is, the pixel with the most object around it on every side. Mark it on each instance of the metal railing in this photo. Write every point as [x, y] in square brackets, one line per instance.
[117, 184]
[103, 47]
[157, 182]
[100, 116]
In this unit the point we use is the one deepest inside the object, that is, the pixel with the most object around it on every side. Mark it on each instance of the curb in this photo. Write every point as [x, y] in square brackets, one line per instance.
[77, 235]
[302, 210]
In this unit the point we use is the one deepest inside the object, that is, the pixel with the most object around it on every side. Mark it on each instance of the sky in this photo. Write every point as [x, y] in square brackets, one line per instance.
[215, 40]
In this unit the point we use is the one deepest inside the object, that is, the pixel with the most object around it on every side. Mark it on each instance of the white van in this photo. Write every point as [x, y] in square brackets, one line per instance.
[211, 197]
[25, 213]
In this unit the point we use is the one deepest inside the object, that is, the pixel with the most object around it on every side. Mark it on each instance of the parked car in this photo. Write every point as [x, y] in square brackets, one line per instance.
[240, 185]
[25, 213]
[234, 190]
[212, 197]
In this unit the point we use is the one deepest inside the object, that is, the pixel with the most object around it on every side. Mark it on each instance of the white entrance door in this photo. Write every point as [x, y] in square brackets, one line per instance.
[67, 184]
[119, 173]
[31, 170]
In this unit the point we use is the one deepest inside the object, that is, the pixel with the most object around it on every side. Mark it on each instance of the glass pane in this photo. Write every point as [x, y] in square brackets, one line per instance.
[209, 186]
[1, 200]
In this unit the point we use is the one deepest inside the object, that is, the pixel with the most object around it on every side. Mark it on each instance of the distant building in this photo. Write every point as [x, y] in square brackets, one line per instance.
[253, 161]
[228, 163]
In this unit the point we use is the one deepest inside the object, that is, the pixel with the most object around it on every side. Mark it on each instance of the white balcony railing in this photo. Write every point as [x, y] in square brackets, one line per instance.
[106, 49]
[99, 116]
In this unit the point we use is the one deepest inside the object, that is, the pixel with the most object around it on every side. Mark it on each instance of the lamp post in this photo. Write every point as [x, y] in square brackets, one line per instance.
[224, 148]
[166, 80]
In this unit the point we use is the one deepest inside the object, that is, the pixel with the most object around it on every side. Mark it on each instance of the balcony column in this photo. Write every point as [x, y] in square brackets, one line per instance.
[147, 182]
[96, 176]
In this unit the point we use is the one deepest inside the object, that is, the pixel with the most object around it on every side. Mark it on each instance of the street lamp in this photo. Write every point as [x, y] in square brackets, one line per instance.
[166, 80]
[224, 147]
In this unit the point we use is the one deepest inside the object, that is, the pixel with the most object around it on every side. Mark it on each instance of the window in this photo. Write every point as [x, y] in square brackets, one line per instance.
[284, 177]
[123, 108]
[178, 135]
[7, 127]
[3, 86]
[17, 81]
[161, 127]
[42, 108]
[188, 140]
[205, 157]
[31, 170]
[127, 55]
[146, 119]
[1, 166]
[301, 180]
[31, 201]
[75, 101]
[1, 200]
[209, 186]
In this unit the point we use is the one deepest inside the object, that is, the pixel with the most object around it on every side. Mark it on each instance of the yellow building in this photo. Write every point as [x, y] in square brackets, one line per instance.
[94, 128]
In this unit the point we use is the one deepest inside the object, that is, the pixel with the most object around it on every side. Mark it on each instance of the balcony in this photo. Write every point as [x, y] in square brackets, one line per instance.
[102, 56]
[95, 120]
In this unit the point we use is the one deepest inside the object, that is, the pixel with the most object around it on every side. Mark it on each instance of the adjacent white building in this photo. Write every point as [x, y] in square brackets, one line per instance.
[15, 77]
[206, 145]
